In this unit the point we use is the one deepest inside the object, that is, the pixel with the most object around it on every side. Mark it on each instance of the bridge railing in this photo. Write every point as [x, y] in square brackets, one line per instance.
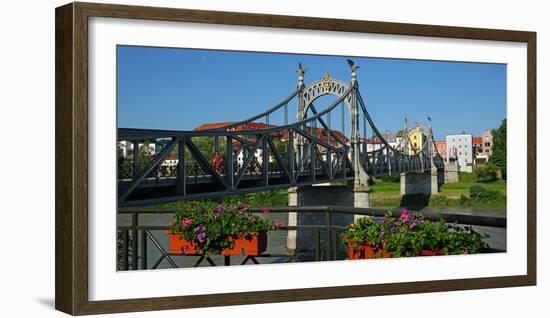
[134, 239]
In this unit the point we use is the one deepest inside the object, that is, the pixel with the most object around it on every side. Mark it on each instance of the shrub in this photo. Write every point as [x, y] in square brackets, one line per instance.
[477, 190]
[479, 193]
[394, 178]
[486, 173]
[370, 181]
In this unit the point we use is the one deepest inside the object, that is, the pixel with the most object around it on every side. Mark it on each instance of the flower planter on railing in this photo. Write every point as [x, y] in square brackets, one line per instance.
[365, 251]
[252, 245]
[430, 253]
[409, 235]
[181, 246]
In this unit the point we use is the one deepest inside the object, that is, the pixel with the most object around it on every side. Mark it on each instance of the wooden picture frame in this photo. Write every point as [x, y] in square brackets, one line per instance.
[72, 280]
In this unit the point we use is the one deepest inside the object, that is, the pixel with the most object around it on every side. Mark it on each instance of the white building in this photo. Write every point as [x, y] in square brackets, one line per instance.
[459, 148]
[127, 148]
[241, 157]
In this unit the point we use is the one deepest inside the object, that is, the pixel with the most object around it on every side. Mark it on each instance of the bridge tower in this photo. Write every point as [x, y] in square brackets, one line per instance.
[356, 194]
[427, 178]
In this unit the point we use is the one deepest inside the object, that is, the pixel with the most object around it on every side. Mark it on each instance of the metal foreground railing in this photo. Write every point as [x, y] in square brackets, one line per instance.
[133, 239]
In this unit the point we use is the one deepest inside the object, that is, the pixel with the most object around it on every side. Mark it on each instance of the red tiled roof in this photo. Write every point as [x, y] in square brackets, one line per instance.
[372, 141]
[477, 140]
[320, 133]
[248, 126]
[213, 125]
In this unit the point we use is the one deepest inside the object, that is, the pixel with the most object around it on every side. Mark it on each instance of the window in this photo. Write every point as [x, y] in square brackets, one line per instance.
[460, 153]
[459, 146]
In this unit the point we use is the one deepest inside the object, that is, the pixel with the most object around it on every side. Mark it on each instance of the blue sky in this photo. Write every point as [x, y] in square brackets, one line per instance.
[167, 88]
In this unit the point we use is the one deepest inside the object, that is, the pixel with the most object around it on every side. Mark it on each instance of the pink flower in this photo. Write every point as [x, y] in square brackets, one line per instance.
[265, 210]
[186, 222]
[405, 216]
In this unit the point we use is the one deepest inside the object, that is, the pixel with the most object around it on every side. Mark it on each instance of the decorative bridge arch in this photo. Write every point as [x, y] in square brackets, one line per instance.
[304, 152]
[325, 86]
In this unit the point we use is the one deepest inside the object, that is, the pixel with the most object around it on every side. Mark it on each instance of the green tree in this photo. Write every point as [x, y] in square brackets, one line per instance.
[498, 158]
[486, 173]
[119, 152]
[144, 153]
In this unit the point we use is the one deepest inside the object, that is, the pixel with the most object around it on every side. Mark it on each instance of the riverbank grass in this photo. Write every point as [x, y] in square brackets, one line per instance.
[455, 194]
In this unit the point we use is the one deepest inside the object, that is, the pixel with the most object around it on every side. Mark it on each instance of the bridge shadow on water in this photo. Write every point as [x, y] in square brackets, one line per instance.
[415, 201]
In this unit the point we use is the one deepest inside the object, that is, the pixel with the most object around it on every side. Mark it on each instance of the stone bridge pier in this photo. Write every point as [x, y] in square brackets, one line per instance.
[321, 195]
[451, 172]
[425, 183]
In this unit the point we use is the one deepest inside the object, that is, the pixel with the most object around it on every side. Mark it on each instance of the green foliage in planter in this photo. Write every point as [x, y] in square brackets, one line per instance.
[363, 231]
[464, 240]
[213, 227]
[409, 234]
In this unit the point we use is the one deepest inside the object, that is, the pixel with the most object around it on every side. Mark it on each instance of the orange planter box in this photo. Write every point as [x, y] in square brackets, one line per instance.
[365, 251]
[178, 246]
[254, 246]
[430, 253]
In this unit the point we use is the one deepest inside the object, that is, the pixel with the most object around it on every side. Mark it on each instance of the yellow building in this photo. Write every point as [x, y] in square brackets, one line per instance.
[416, 139]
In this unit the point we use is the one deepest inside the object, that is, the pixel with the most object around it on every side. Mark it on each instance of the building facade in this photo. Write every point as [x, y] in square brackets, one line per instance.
[460, 149]
[126, 149]
[441, 148]
[477, 146]
[416, 139]
[487, 146]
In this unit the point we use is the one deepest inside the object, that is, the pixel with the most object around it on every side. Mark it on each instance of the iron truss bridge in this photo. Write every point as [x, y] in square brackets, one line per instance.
[320, 146]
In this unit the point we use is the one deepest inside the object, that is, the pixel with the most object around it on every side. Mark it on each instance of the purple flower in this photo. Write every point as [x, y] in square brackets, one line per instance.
[218, 209]
[201, 237]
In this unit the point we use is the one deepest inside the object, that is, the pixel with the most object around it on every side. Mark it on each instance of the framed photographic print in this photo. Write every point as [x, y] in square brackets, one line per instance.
[211, 158]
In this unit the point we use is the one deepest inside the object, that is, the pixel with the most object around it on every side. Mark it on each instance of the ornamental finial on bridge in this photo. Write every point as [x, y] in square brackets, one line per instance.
[354, 68]
[301, 71]
[429, 122]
